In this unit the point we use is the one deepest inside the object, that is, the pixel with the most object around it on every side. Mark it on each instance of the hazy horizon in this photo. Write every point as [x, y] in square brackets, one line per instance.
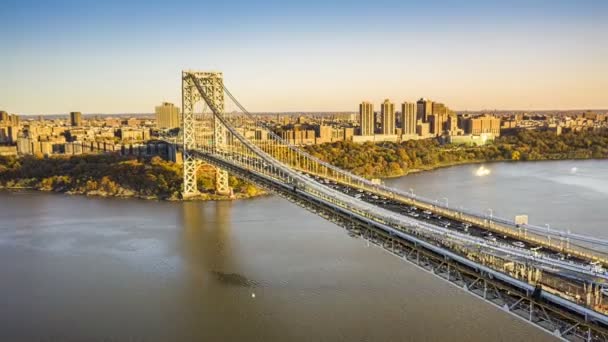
[294, 112]
[126, 57]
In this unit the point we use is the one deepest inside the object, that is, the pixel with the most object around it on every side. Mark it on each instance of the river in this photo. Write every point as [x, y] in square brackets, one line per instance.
[90, 269]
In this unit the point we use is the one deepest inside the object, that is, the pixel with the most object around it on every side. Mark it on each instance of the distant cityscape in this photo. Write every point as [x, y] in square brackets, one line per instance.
[424, 119]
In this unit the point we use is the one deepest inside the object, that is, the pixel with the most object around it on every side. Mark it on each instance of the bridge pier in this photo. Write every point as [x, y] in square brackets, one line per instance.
[221, 182]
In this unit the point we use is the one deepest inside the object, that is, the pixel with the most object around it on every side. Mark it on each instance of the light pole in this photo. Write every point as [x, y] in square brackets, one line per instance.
[412, 192]
[491, 213]
[548, 232]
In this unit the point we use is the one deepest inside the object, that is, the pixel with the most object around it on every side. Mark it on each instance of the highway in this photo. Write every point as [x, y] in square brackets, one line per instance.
[462, 227]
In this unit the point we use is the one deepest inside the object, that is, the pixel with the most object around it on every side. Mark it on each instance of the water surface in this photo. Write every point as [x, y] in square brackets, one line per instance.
[76, 268]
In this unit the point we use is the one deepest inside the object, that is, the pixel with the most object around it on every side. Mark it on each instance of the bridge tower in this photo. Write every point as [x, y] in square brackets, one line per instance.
[213, 86]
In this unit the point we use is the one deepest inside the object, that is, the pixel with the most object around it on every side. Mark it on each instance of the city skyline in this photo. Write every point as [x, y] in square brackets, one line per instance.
[126, 57]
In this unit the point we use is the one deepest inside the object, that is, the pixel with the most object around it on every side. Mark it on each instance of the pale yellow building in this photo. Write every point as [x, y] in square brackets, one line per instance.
[387, 117]
[424, 108]
[408, 118]
[167, 116]
[483, 124]
[366, 118]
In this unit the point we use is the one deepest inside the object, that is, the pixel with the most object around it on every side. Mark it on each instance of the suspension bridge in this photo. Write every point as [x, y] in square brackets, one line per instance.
[553, 279]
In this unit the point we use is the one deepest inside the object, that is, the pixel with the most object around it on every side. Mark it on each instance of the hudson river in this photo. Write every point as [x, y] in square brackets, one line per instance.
[90, 269]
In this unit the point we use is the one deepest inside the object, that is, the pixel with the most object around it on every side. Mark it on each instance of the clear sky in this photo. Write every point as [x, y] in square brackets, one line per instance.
[126, 57]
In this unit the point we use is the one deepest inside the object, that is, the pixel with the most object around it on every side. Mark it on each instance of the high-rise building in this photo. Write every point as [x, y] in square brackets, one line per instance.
[366, 118]
[7, 119]
[424, 109]
[442, 112]
[325, 134]
[452, 125]
[439, 108]
[435, 124]
[387, 117]
[422, 128]
[167, 116]
[408, 118]
[76, 119]
[14, 119]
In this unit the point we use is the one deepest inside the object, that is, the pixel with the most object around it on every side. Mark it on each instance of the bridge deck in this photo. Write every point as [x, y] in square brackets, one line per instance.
[547, 311]
[561, 249]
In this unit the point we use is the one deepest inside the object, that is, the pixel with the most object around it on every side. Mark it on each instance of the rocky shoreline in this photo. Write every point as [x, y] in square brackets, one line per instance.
[125, 194]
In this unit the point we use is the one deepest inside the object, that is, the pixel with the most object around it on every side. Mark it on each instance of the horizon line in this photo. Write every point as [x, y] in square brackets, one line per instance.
[327, 111]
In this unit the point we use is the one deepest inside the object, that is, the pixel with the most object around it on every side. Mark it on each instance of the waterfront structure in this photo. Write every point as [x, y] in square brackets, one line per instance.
[366, 118]
[76, 119]
[167, 116]
[387, 117]
[408, 118]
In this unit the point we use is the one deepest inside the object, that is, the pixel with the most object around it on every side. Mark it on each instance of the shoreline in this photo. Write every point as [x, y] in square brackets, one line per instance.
[472, 162]
[206, 197]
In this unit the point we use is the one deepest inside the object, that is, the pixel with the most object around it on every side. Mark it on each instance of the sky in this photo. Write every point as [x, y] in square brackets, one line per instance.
[127, 56]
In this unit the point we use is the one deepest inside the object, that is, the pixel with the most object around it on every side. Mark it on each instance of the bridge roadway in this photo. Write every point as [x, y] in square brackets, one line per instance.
[523, 244]
[574, 268]
[561, 244]
[444, 256]
[455, 224]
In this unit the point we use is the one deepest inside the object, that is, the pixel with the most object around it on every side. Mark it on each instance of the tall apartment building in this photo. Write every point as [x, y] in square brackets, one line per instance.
[167, 116]
[7, 119]
[439, 108]
[424, 109]
[408, 118]
[435, 124]
[423, 129]
[76, 119]
[366, 118]
[387, 117]
[452, 125]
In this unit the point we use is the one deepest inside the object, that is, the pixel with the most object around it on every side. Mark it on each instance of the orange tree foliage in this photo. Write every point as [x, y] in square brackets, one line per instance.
[105, 174]
[393, 159]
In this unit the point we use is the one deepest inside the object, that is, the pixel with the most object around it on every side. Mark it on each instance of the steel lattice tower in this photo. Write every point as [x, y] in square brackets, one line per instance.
[213, 86]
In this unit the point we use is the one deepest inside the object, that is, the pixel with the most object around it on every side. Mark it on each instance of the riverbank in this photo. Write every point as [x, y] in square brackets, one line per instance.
[157, 179]
[390, 160]
[473, 162]
[130, 195]
[113, 176]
